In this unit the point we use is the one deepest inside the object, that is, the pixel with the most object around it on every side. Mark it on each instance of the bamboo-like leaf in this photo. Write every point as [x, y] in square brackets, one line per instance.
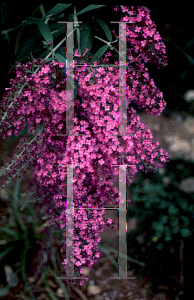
[86, 38]
[9, 232]
[99, 53]
[112, 259]
[22, 265]
[45, 31]
[43, 28]
[61, 284]
[49, 291]
[4, 253]
[78, 30]
[88, 8]
[59, 7]
[190, 42]
[122, 255]
[15, 207]
[60, 57]
[105, 29]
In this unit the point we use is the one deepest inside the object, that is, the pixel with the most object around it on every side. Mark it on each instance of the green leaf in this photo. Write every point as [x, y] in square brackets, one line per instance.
[105, 29]
[9, 232]
[3, 242]
[45, 31]
[53, 259]
[109, 255]
[99, 53]
[49, 291]
[19, 225]
[50, 59]
[77, 30]
[164, 219]
[89, 7]
[62, 51]
[76, 88]
[60, 283]
[57, 9]
[6, 251]
[60, 58]
[57, 29]
[122, 255]
[172, 210]
[86, 38]
[190, 42]
[168, 238]
[158, 226]
[43, 28]
[32, 44]
[31, 20]
[22, 266]
[159, 246]
[185, 232]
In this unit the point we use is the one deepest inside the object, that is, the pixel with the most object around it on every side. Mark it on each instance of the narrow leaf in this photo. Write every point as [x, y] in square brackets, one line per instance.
[15, 207]
[122, 255]
[99, 53]
[45, 31]
[50, 59]
[43, 28]
[49, 291]
[60, 283]
[190, 58]
[31, 20]
[78, 30]
[22, 266]
[4, 253]
[105, 29]
[190, 42]
[32, 44]
[108, 255]
[89, 7]
[57, 9]
[76, 88]
[57, 29]
[60, 58]
[86, 38]
[9, 232]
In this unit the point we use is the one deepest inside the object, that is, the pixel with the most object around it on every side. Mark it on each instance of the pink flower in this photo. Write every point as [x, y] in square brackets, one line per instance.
[42, 104]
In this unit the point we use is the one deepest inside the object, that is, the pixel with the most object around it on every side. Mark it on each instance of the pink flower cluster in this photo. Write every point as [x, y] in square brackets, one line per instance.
[38, 97]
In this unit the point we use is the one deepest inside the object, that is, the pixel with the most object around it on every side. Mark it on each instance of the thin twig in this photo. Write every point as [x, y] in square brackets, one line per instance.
[181, 262]
[108, 43]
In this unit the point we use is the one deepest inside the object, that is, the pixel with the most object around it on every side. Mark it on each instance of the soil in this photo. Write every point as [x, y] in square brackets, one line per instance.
[176, 136]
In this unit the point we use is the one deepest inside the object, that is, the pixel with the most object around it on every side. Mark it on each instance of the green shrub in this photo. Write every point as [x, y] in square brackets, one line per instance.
[165, 216]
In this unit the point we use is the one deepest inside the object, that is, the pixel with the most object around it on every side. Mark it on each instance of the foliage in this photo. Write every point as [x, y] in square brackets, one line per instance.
[165, 215]
[25, 238]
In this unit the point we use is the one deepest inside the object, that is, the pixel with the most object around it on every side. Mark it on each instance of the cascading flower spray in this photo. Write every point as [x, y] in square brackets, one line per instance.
[37, 96]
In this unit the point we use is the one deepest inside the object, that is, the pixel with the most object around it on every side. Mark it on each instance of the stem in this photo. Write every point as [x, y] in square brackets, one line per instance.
[181, 262]
[19, 155]
[78, 30]
[17, 94]
[108, 43]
